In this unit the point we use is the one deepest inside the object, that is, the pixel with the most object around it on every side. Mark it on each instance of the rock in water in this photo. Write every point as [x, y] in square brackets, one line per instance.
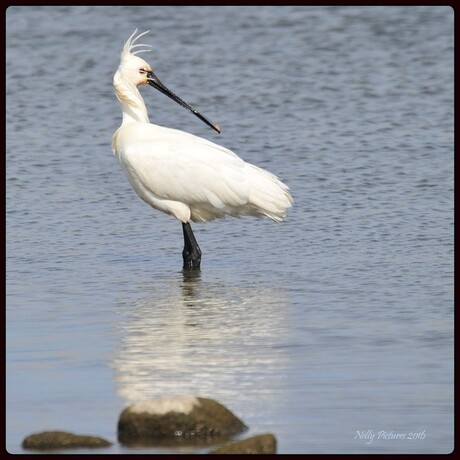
[177, 419]
[62, 440]
[261, 444]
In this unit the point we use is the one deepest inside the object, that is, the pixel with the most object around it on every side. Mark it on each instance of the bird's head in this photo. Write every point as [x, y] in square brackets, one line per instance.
[132, 68]
[136, 71]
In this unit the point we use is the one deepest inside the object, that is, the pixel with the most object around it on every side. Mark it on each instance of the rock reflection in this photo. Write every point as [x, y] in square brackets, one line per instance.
[190, 336]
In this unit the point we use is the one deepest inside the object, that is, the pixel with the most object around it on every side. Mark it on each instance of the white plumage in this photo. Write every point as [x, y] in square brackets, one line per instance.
[183, 175]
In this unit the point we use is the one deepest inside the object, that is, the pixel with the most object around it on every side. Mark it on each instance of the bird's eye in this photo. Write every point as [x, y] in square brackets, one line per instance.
[142, 70]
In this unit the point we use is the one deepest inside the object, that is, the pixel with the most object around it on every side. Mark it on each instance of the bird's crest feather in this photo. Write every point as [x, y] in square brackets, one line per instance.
[130, 45]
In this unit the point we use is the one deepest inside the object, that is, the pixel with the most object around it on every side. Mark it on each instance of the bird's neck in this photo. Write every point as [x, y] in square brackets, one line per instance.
[132, 104]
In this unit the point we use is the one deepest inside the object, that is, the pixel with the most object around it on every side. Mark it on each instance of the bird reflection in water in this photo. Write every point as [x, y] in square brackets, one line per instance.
[190, 280]
[189, 335]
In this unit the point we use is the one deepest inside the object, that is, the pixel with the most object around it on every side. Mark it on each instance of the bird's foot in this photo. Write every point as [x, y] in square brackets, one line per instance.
[192, 261]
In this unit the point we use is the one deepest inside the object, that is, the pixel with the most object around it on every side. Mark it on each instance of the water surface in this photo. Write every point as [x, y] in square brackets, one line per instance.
[334, 324]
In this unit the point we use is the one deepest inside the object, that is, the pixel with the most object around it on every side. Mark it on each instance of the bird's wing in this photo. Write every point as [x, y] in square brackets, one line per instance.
[175, 165]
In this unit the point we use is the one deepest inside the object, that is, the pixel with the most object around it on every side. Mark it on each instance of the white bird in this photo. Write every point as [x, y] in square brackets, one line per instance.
[185, 176]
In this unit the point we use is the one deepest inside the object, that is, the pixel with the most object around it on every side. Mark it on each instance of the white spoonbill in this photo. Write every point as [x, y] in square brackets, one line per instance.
[185, 176]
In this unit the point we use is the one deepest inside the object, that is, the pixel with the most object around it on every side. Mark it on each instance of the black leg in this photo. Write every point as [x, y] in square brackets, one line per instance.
[191, 253]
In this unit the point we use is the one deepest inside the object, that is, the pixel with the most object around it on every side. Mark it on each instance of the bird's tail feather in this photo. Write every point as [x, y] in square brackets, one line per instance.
[268, 194]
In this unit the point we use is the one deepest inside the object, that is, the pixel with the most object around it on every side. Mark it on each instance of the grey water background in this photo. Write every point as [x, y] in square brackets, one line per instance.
[323, 330]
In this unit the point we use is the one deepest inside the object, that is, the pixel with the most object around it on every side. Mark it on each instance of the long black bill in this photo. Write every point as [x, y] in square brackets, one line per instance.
[156, 83]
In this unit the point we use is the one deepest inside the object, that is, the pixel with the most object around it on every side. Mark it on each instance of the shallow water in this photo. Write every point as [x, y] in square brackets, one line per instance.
[336, 322]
